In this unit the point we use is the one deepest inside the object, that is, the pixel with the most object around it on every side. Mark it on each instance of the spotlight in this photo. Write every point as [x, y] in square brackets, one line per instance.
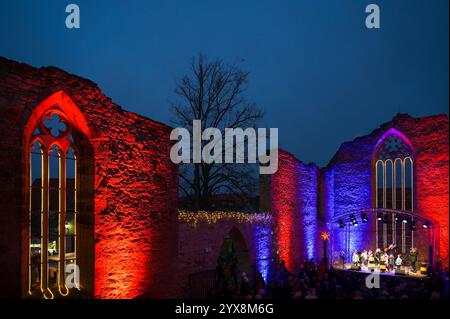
[353, 220]
[425, 225]
[396, 218]
[364, 218]
[405, 220]
[379, 216]
[341, 224]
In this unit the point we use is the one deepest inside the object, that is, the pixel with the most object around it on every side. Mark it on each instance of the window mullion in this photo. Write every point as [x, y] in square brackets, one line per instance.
[30, 216]
[44, 221]
[62, 224]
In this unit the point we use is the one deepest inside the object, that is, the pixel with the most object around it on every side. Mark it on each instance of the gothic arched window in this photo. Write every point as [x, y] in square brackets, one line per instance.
[53, 205]
[394, 188]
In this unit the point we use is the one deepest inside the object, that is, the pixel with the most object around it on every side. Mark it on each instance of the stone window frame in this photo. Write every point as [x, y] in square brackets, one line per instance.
[88, 146]
[375, 165]
[61, 143]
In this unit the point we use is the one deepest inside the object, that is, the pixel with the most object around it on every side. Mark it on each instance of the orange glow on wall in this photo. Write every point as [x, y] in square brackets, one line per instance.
[135, 194]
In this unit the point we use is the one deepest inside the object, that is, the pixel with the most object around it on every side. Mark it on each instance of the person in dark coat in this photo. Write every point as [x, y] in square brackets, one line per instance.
[413, 257]
[391, 262]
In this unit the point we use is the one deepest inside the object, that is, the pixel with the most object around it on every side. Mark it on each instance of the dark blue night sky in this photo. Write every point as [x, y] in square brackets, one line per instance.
[321, 76]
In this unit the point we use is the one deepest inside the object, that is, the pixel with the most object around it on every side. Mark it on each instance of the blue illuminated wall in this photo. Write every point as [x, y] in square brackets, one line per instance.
[262, 235]
[352, 192]
[348, 188]
[307, 191]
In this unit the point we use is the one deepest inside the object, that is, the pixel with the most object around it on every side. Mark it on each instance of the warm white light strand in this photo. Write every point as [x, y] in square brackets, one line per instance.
[211, 217]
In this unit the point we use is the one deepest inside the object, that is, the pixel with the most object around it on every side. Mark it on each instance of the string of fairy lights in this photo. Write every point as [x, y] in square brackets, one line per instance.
[211, 217]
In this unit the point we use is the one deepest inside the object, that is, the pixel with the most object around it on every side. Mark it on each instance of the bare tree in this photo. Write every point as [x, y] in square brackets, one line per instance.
[215, 93]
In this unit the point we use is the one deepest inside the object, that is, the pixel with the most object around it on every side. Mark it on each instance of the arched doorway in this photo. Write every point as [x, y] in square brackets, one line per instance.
[233, 265]
[241, 251]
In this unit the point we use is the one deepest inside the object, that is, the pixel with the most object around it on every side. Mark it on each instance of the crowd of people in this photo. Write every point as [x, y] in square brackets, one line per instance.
[317, 281]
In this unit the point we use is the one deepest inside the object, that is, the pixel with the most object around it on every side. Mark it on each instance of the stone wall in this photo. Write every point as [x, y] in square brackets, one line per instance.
[130, 210]
[201, 236]
[294, 205]
[131, 242]
[349, 177]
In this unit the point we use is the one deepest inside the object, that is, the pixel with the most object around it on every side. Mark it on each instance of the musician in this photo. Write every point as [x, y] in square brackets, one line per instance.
[370, 256]
[413, 257]
[355, 258]
[391, 262]
[385, 258]
[398, 262]
[391, 249]
[364, 257]
[378, 256]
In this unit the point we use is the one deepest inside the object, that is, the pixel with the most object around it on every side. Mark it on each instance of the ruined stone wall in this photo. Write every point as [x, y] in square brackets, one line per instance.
[429, 137]
[134, 188]
[294, 206]
[201, 237]
[349, 177]
[347, 188]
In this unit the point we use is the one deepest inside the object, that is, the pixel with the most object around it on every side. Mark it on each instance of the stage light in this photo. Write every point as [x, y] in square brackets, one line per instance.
[405, 220]
[396, 218]
[379, 216]
[341, 224]
[364, 218]
[353, 220]
[423, 268]
[425, 225]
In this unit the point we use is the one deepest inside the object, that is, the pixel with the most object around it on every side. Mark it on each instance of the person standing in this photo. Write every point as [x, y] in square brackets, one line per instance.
[378, 256]
[384, 259]
[413, 255]
[371, 259]
[355, 258]
[398, 262]
[364, 257]
[391, 262]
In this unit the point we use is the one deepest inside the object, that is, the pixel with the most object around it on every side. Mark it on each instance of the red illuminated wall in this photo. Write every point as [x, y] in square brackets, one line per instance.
[136, 203]
[134, 187]
[293, 193]
[429, 136]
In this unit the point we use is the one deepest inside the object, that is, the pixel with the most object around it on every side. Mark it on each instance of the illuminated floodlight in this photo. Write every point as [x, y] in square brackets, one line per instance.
[364, 218]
